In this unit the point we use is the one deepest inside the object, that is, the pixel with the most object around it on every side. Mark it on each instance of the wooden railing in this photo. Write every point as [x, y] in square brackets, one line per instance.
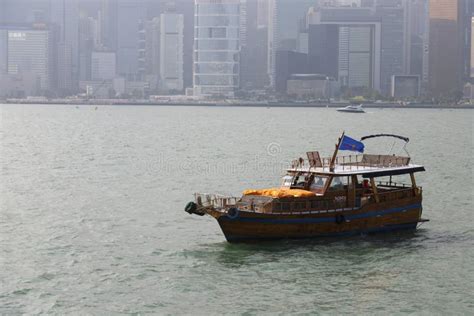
[214, 200]
[355, 162]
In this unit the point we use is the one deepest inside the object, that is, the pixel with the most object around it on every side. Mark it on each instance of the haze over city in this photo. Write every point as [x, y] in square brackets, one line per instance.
[416, 50]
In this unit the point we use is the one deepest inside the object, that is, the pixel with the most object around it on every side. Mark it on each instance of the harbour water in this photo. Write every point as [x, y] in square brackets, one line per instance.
[92, 220]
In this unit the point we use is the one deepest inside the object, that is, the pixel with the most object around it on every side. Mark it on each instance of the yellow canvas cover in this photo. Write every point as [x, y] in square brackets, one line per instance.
[280, 193]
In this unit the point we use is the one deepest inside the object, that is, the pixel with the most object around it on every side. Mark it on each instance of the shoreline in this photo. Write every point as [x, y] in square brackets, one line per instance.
[224, 104]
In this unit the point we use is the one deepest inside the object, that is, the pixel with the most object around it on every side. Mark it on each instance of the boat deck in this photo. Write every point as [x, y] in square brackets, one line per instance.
[365, 165]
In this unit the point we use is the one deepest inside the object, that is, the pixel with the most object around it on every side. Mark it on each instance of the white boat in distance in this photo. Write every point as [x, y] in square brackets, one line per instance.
[352, 109]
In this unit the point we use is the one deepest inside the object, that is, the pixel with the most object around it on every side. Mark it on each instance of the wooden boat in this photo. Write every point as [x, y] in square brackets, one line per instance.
[336, 196]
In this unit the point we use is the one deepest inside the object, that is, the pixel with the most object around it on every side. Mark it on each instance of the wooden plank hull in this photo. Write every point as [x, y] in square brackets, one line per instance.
[377, 217]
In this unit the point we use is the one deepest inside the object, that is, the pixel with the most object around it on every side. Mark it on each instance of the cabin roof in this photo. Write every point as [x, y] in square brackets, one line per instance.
[364, 171]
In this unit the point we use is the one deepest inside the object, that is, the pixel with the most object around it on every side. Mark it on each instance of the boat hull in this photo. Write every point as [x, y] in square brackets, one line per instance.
[379, 217]
[350, 111]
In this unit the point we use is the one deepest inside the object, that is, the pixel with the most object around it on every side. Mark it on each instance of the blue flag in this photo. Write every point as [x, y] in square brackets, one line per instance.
[348, 143]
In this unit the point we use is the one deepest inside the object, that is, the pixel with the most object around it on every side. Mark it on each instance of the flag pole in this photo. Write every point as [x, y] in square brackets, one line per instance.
[333, 159]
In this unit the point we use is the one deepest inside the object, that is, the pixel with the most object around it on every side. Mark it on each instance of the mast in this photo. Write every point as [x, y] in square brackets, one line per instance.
[333, 159]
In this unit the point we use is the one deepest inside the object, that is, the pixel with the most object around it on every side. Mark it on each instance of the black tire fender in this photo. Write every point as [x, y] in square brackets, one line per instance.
[190, 208]
[340, 219]
[233, 213]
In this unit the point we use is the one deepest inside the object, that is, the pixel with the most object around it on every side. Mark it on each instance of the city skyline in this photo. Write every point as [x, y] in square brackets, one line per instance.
[228, 48]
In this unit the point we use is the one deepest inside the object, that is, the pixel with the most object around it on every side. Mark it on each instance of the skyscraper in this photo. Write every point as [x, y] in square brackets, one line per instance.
[30, 52]
[171, 51]
[284, 19]
[130, 14]
[3, 51]
[467, 13]
[359, 44]
[253, 57]
[103, 66]
[445, 49]
[152, 47]
[394, 41]
[65, 14]
[216, 47]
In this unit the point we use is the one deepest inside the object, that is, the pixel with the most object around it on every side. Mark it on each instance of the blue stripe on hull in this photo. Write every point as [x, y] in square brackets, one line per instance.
[320, 219]
[384, 229]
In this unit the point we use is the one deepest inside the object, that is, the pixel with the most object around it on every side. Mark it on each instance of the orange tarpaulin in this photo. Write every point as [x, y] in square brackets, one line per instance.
[280, 193]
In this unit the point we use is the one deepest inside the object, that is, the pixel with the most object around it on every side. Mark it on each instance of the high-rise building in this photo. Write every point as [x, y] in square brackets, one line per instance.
[323, 49]
[108, 24]
[216, 47]
[471, 61]
[103, 66]
[284, 20]
[467, 13]
[445, 47]
[130, 15]
[88, 41]
[359, 45]
[152, 47]
[65, 14]
[63, 18]
[417, 39]
[253, 72]
[288, 63]
[3, 51]
[394, 41]
[186, 8]
[30, 51]
[171, 51]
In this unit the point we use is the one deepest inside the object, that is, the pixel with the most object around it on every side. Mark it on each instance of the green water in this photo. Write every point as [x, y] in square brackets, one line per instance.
[92, 220]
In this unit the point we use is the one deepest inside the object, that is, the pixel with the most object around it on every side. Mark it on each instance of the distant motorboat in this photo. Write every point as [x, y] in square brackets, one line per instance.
[352, 109]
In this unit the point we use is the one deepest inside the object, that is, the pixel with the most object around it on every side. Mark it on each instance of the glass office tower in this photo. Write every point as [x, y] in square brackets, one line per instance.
[216, 47]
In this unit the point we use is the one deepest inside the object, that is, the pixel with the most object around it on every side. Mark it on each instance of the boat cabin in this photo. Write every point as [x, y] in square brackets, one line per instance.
[353, 182]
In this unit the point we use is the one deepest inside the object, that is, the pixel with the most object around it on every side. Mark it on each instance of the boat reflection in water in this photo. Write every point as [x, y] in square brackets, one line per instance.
[336, 196]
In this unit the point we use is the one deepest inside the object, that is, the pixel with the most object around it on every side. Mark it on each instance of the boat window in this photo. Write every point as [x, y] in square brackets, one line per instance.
[396, 181]
[287, 181]
[299, 181]
[338, 183]
[318, 183]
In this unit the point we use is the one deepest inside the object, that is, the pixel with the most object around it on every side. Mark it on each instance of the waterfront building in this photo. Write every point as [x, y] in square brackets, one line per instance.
[323, 49]
[467, 19]
[472, 50]
[445, 47]
[405, 86]
[308, 86]
[130, 13]
[216, 47]
[288, 63]
[284, 25]
[152, 46]
[417, 38]
[109, 24]
[103, 66]
[171, 52]
[186, 8]
[358, 32]
[65, 15]
[3, 51]
[253, 39]
[394, 44]
[89, 40]
[30, 51]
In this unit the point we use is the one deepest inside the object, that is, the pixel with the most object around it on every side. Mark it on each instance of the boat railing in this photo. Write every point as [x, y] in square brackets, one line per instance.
[339, 203]
[356, 162]
[393, 195]
[214, 200]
